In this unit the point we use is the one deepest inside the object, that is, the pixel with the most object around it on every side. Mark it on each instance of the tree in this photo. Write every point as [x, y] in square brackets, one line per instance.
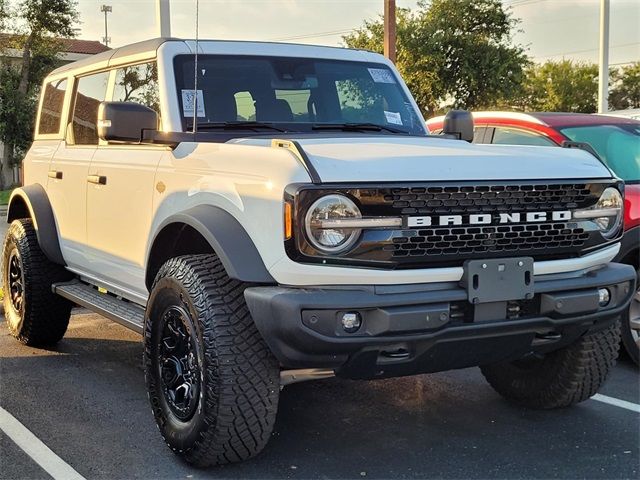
[560, 86]
[37, 26]
[453, 53]
[626, 87]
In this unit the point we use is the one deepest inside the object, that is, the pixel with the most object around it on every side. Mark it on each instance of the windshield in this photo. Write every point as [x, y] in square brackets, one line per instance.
[617, 145]
[294, 94]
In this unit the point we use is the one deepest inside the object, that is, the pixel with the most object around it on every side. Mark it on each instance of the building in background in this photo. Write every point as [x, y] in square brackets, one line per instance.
[72, 50]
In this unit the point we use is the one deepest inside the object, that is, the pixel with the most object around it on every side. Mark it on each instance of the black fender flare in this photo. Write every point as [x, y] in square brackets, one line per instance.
[228, 239]
[32, 201]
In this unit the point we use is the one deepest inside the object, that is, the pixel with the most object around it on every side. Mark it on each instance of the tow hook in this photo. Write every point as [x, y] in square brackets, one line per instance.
[545, 338]
[393, 355]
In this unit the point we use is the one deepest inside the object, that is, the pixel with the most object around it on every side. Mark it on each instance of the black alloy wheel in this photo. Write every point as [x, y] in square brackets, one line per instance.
[179, 363]
[15, 281]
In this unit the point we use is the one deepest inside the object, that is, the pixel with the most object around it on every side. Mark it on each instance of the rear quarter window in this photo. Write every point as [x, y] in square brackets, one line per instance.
[51, 107]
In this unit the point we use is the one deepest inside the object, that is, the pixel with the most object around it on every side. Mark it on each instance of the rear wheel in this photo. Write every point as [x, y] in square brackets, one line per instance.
[34, 314]
[561, 378]
[212, 381]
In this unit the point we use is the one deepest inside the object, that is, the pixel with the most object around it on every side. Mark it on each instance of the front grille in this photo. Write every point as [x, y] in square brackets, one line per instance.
[477, 240]
[487, 198]
[451, 245]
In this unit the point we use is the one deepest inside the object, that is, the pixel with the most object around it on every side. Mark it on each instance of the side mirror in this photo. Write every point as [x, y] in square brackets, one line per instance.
[125, 121]
[460, 124]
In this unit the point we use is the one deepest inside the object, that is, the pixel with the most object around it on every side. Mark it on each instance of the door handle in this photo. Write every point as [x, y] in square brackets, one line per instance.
[57, 174]
[97, 179]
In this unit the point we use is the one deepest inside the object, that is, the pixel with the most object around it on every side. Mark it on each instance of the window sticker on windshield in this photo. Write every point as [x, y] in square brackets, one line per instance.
[381, 75]
[187, 103]
[393, 117]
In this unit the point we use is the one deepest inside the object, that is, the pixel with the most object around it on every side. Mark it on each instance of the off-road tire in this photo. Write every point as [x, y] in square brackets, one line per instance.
[42, 317]
[239, 377]
[630, 343]
[561, 378]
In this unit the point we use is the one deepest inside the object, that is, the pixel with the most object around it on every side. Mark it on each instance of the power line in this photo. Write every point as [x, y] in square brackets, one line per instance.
[519, 3]
[586, 51]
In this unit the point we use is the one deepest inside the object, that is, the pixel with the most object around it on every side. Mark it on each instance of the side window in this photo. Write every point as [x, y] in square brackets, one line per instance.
[139, 84]
[245, 106]
[89, 93]
[51, 108]
[478, 134]
[513, 136]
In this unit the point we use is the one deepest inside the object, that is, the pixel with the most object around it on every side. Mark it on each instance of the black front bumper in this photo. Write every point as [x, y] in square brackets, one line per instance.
[410, 329]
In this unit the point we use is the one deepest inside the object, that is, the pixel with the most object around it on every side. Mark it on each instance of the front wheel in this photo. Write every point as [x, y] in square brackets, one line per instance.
[561, 378]
[212, 381]
[34, 314]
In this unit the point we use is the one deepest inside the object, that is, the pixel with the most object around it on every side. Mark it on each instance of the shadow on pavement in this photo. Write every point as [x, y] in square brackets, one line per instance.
[87, 401]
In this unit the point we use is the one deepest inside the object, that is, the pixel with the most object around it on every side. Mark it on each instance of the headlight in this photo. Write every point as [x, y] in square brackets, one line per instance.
[606, 214]
[327, 223]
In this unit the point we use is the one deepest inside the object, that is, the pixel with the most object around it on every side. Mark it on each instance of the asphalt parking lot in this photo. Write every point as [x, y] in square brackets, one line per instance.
[86, 401]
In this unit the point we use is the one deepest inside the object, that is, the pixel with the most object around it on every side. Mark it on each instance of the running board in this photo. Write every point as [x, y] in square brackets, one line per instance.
[121, 311]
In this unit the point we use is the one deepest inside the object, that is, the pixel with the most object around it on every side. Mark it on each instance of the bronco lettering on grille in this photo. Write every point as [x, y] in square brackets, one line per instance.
[488, 219]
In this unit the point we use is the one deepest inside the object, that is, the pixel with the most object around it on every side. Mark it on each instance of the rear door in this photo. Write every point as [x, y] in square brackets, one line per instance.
[49, 131]
[68, 171]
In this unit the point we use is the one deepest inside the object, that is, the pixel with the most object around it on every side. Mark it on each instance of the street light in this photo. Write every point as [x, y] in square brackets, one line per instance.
[106, 9]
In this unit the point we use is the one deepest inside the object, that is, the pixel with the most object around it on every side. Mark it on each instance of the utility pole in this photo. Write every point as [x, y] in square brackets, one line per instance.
[163, 18]
[390, 30]
[106, 9]
[603, 75]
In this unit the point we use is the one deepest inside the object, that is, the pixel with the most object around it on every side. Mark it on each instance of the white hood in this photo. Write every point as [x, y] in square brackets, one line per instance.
[409, 159]
[414, 159]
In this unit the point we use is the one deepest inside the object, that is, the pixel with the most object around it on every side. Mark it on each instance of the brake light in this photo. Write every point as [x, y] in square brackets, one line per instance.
[631, 206]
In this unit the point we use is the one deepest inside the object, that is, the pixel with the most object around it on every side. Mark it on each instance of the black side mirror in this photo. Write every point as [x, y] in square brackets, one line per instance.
[460, 124]
[125, 121]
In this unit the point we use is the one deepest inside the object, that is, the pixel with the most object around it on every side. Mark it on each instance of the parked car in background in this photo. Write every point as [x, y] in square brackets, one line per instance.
[615, 138]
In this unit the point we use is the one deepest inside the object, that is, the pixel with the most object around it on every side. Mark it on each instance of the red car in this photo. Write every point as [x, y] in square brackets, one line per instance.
[616, 141]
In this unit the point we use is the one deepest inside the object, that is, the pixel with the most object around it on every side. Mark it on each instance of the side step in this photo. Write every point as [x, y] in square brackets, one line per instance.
[121, 311]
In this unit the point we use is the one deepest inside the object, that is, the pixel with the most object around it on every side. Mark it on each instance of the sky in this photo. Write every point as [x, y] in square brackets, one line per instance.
[549, 29]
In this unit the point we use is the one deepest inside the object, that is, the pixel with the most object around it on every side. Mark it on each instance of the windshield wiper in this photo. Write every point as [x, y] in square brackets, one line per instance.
[239, 125]
[354, 127]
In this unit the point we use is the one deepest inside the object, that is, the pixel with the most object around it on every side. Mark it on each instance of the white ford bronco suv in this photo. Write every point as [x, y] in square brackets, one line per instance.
[308, 225]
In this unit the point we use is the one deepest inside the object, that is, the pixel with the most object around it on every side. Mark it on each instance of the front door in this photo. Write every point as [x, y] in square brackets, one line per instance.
[119, 214]
[120, 194]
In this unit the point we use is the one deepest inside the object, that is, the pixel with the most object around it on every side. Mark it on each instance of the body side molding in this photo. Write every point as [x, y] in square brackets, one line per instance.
[227, 238]
[33, 201]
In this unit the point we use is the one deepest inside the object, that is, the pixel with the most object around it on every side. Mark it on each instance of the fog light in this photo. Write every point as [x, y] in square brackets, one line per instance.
[603, 297]
[351, 322]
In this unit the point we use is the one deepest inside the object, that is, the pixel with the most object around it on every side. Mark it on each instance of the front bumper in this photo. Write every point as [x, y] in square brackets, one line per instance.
[410, 329]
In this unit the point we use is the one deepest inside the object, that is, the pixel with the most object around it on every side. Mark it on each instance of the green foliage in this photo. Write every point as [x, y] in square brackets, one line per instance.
[37, 26]
[4, 196]
[560, 86]
[49, 18]
[17, 112]
[625, 92]
[453, 53]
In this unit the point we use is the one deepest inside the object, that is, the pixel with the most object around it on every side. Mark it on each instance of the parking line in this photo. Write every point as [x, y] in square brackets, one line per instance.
[38, 451]
[616, 402]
